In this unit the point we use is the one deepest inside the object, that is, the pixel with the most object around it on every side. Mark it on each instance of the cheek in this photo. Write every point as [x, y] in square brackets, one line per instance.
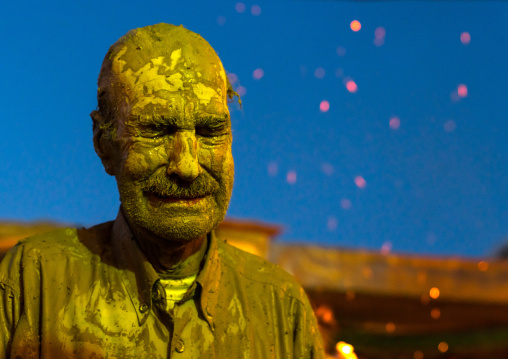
[228, 170]
[218, 160]
[141, 161]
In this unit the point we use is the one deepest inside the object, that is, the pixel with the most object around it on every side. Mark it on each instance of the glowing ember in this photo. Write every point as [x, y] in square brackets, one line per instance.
[232, 78]
[273, 169]
[344, 348]
[443, 347]
[465, 38]
[355, 25]
[434, 292]
[379, 41]
[380, 32]
[319, 73]
[345, 203]
[379, 36]
[332, 223]
[324, 106]
[424, 299]
[483, 266]
[241, 90]
[221, 20]
[390, 327]
[258, 73]
[454, 96]
[421, 277]
[449, 126]
[325, 314]
[360, 182]
[367, 272]
[255, 10]
[386, 247]
[435, 313]
[351, 86]
[394, 123]
[291, 177]
[418, 354]
[327, 169]
[462, 90]
[240, 7]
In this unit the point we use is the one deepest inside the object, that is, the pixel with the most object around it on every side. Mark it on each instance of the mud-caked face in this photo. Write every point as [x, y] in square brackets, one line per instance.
[174, 166]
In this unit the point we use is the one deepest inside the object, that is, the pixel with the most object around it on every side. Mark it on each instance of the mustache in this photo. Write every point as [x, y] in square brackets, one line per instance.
[171, 186]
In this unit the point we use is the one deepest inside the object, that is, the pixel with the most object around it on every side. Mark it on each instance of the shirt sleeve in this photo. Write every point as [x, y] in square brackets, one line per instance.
[308, 343]
[20, 301]
[9, 298]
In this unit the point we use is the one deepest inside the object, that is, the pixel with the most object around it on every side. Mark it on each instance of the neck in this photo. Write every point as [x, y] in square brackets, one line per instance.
[176, 259]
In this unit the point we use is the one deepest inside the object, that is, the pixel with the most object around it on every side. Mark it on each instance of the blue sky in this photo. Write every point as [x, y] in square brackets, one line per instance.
[393, 142]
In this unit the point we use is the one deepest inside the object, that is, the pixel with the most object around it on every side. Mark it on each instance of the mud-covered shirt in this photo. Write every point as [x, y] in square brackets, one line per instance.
[91, 293]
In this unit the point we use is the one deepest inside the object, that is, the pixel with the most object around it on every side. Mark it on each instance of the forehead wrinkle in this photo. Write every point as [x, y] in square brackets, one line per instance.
[213, 120]
[148, 120]
[136, 72]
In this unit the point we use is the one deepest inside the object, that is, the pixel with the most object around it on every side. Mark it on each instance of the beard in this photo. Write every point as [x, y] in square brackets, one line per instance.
[150, 206]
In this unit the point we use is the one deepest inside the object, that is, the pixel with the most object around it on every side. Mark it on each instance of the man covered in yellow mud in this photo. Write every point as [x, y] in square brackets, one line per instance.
[155, 283]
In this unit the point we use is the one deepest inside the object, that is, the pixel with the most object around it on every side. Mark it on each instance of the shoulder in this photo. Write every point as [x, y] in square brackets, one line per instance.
[50, 251]
[256, 270]
[49, 242]
[272, 296]
[66, 242]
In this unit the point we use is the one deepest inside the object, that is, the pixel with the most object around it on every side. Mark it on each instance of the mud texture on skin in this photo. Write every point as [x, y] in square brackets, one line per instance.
[119, 62]
[164, 90]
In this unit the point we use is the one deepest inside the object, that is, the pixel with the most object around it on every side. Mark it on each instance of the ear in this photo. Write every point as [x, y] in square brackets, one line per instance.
[103, 144]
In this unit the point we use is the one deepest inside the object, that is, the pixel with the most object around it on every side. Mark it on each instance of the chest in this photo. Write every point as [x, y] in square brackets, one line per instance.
[96, 317]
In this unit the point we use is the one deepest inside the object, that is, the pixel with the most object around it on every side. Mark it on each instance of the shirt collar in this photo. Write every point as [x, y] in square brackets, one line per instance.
[139, 276]
[209, 278]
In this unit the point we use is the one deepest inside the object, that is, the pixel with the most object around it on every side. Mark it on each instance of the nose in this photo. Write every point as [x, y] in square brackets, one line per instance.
[183, 156]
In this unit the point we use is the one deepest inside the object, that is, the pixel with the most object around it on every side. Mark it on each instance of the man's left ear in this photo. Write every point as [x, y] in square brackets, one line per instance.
[103, 143]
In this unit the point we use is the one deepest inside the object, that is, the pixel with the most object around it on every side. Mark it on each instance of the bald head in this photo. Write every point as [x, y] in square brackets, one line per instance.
[159, 58]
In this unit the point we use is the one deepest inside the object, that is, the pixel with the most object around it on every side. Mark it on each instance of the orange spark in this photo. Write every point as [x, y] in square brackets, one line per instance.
[435, 313]
[443, 347]
[394, 123]
[390, 327]
[324, 106]
[465, 38]
[355, 25]
[291, 177]
[434, 292]
[255, 10]
[351, 86]
[258, 73]
[360, 182]
[483, 266]
[462, 90]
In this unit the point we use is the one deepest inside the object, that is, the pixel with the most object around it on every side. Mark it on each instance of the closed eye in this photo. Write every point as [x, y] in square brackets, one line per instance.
[211, 131]
[155, 131]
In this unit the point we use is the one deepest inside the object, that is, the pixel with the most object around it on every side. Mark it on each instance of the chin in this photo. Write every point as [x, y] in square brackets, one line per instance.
[181, 229]
[174, 224]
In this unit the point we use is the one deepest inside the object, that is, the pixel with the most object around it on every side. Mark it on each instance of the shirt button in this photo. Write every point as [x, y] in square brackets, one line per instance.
[179, 346]
[143, 308]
